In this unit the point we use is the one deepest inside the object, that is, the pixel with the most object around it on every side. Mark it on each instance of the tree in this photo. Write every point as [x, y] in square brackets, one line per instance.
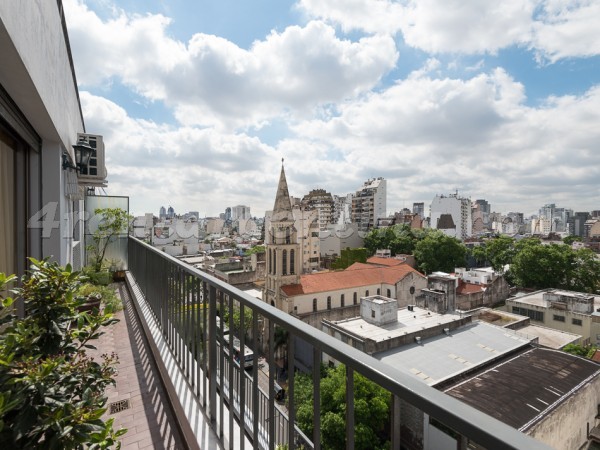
[540, 266]
[500, 251]
[399, 239]
[255, 249]
[371, 409]
[570, 239]
[113, 221]
[439, 252]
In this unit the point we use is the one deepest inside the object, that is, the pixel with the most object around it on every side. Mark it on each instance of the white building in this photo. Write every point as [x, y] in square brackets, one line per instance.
[369, 203]
[41, 195]
[240, 212]
[458, 208]
[541, 226]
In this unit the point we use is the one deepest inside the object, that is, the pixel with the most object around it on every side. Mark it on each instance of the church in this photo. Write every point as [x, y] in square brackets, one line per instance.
[294, 292]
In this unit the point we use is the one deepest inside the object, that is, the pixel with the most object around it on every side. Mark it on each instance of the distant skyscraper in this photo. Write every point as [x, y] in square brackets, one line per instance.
[227, 215]
[369, 203]
[170, 212]
[419, 208]
[240, 212]
[163, 213]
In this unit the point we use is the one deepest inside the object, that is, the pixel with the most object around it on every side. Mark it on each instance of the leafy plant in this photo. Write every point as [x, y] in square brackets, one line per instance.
[107, 294]
[114, 221]
[51, 392]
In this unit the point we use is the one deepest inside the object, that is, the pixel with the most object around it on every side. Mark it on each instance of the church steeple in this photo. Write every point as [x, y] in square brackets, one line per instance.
[282, 210]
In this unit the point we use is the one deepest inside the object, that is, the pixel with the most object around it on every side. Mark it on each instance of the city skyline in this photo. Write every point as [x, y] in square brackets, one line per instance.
[499, 101]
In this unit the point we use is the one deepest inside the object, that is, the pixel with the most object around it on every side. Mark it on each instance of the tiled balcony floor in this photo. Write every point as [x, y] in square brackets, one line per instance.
[149, 419]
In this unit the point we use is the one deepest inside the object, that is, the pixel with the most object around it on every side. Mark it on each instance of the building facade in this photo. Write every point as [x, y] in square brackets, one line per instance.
[369, 204]
[40, 120]
[459, 208]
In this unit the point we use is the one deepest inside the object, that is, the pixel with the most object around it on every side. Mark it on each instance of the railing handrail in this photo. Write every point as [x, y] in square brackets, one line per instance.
[466, 420]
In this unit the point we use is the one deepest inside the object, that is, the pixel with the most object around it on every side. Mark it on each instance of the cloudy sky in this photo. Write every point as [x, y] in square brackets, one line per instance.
[198, 101]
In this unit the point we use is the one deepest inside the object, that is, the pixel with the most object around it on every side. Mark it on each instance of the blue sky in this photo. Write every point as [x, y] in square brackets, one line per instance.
[198, 101]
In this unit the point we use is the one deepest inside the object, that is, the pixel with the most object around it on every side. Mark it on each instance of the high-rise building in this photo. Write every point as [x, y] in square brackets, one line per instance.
[170, 213]
[419, 208]
[369, 204]
[227, 215]
[485, 209]
[576, 223]
[322, 202]
[163, 213]
[240, 212]
[458, 209]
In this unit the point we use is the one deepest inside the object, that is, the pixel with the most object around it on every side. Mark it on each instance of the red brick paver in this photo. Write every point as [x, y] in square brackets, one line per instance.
[149, 419]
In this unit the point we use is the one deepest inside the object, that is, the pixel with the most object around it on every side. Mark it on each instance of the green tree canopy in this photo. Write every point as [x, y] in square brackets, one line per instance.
[399, 239]
[371, 409]
[439, 252]
[540, 266]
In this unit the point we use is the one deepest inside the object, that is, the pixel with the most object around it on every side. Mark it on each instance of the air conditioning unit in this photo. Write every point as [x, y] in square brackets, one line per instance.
[94, 174]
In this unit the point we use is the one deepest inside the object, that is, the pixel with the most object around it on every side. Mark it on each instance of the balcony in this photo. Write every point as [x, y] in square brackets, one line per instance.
[217, 399]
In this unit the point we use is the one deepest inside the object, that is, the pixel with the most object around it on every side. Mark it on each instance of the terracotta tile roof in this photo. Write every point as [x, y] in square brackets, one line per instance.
[469, 288]
[354, 276]
[384, 261]
[596, 356]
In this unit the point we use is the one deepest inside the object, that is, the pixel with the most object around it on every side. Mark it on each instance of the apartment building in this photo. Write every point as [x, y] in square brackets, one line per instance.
[452, 215]
[369, 204]
[569, 311]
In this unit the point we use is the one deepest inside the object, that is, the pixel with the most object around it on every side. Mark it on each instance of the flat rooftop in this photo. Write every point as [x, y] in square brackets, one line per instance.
[537, 299]
[549, 337]
[408, 322]
[523, 388]
[443, 357]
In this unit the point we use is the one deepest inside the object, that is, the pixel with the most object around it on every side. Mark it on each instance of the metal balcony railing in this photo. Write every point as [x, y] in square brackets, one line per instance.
[185, 302]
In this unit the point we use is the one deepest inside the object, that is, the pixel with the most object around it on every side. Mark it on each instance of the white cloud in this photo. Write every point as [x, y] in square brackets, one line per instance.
[211, 81]
[567, 29]
[554, 29]
[431, 135]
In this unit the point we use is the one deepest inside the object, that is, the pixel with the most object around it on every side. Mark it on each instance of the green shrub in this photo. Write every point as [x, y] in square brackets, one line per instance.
[109, 298]
[51, 392]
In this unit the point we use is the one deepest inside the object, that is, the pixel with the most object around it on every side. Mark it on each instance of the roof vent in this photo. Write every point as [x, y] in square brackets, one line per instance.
[447, 331]
[418, 339]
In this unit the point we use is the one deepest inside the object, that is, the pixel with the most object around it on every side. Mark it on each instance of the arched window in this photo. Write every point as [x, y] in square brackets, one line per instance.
[378, 291]
[292, 261]
[354, 298]
[342, 300]
[284, 262]
[272, 303]
[274, 262]
[287, 236]
[314, 305]
[270, 261]
[328, 302]
[389, 293]
[367, 293]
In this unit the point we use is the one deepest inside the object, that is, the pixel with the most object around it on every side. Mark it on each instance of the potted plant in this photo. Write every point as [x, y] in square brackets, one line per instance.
[113, 222]
[116, 268]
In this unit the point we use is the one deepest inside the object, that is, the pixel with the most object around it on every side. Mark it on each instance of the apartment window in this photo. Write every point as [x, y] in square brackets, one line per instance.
[389, 293]
[558, 318]
[292, 262]
[354, 299]
[373, 314]
[314, 305]
[284, 262]
[328, 302]
[577, 322]
[342, 300]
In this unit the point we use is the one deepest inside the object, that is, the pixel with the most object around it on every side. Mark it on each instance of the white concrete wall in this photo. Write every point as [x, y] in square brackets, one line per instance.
[36, 72]
[565, 428]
